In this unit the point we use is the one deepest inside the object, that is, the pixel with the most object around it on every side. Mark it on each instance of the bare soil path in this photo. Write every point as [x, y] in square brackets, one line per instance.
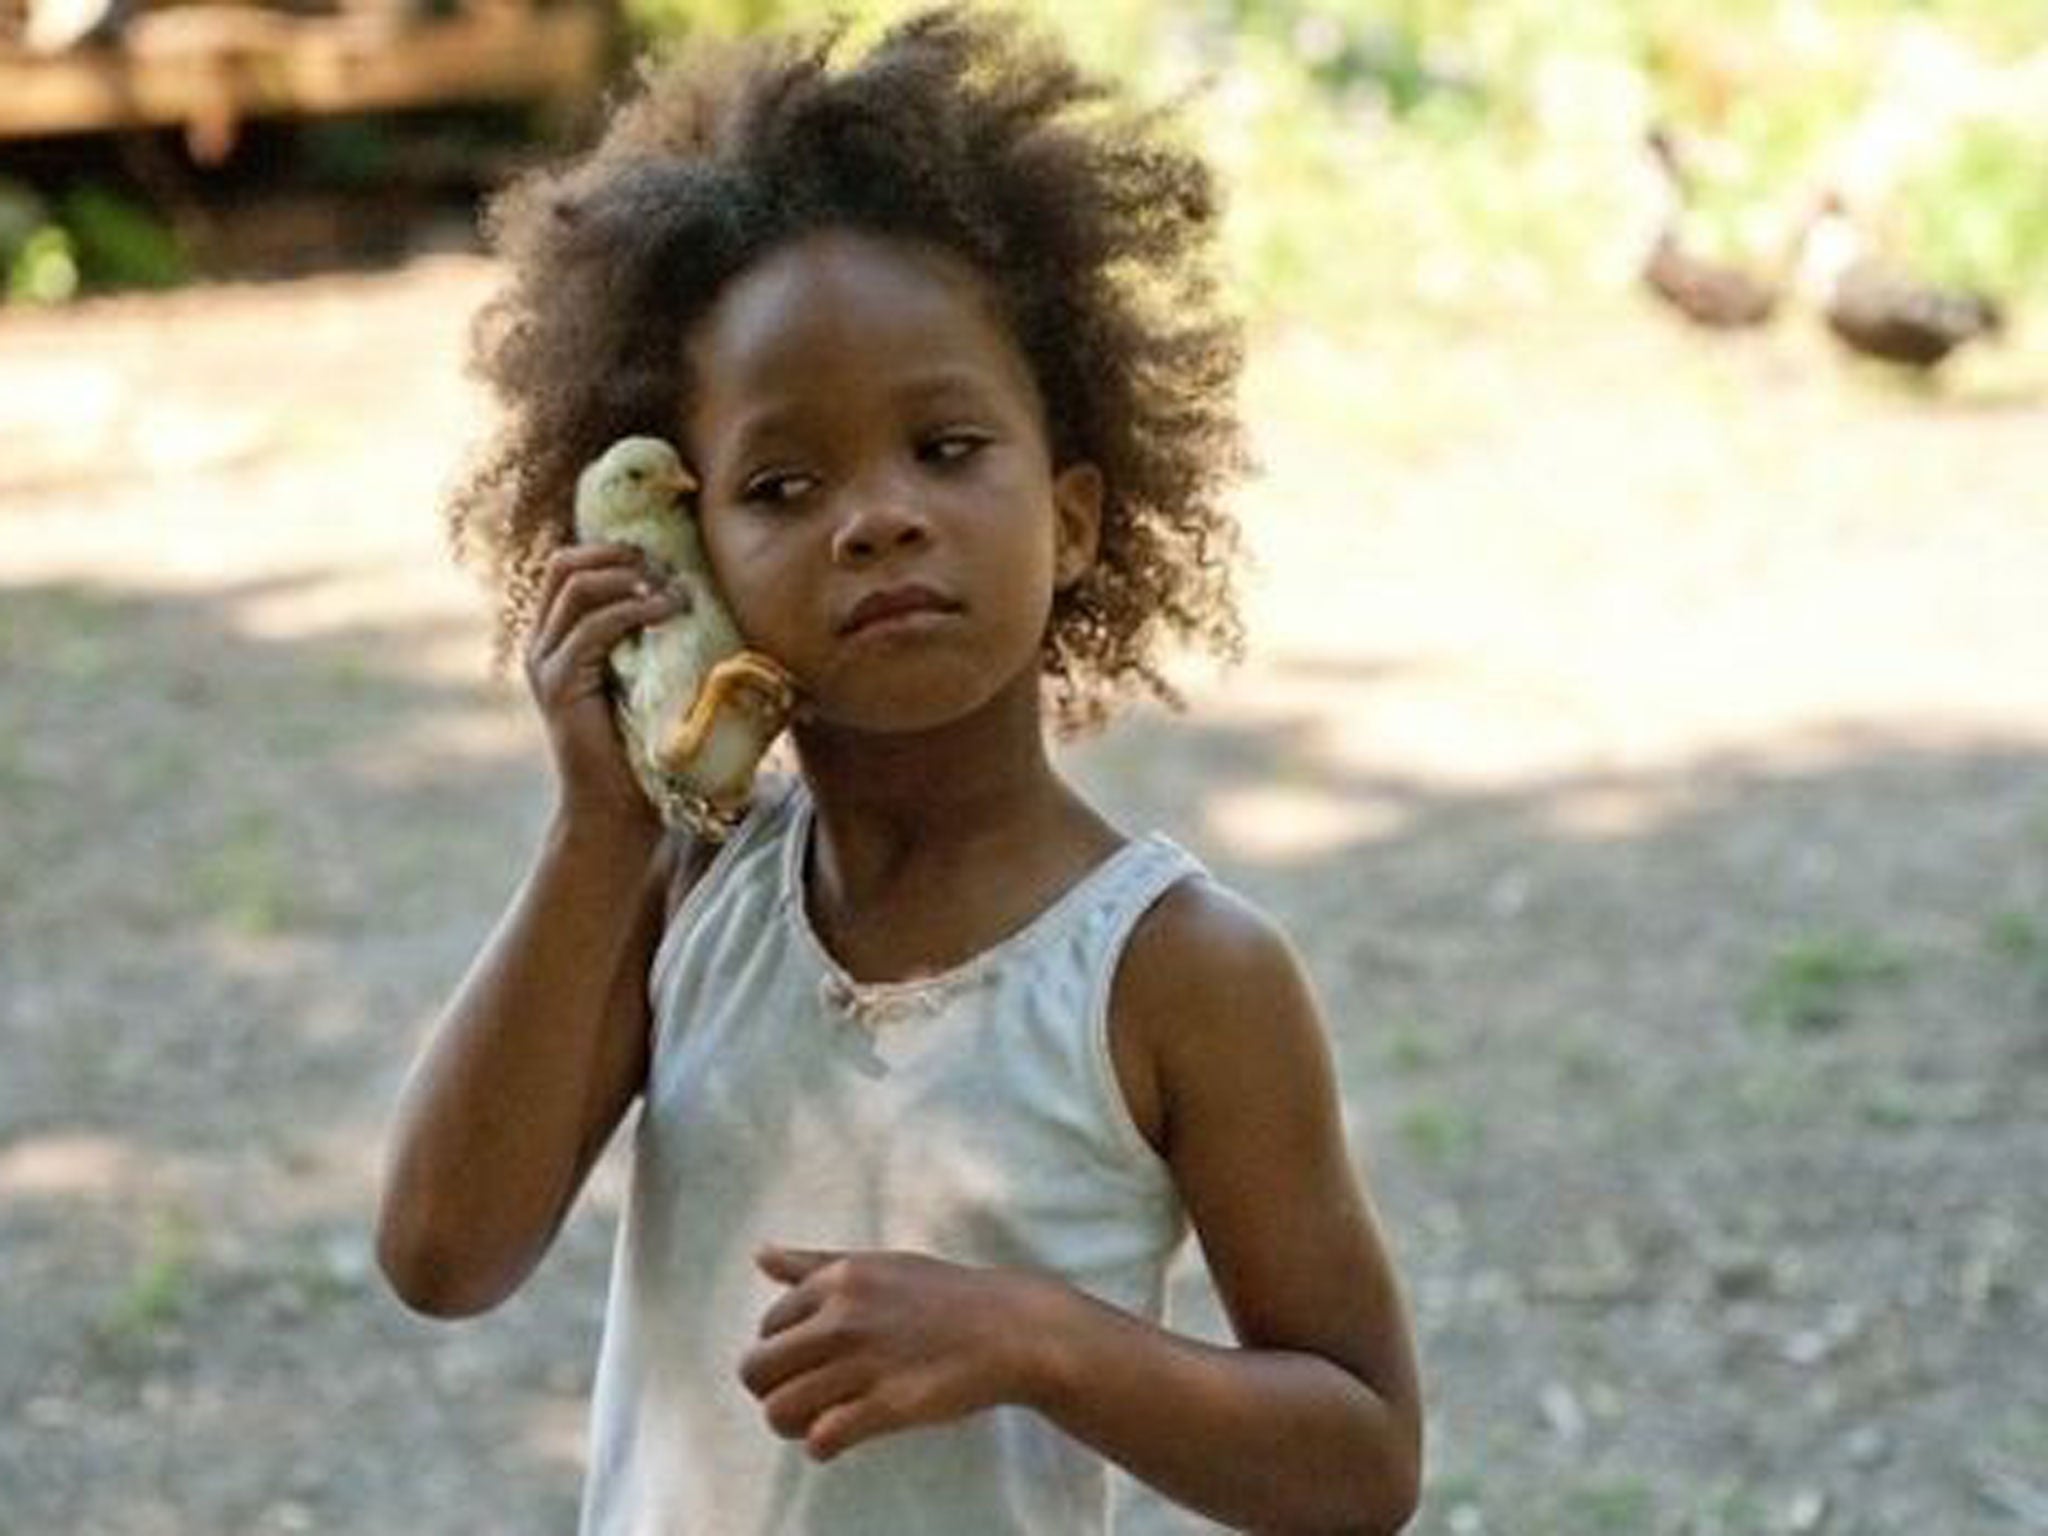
[1646, 739]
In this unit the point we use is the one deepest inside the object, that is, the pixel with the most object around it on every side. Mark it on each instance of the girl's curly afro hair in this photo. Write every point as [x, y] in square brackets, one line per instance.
[1093, 231]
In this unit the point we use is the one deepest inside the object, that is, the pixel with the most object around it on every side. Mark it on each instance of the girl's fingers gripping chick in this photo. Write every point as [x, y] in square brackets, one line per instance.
[618, 605]
[575, 579]
[592, 597]
[567, 561]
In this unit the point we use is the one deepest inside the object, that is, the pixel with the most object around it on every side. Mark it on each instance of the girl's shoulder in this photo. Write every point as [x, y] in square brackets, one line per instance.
[1201, 932]
[1207, 983]
[1207, 974]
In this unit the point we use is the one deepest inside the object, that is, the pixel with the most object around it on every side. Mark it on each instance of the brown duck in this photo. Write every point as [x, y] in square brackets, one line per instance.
[1711, 293]
[1880, 311]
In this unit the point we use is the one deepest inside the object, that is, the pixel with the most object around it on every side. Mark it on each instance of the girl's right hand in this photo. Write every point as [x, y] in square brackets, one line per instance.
[592, 596]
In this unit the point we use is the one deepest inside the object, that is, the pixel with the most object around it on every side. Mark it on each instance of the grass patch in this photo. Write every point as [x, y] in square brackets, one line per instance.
[1729, 1509]
[1587, 1060]
[77, 637]
[246, 880]
[1894, 1106]
[1410, 1047]
[1771, 1096]
[2015, 936]
[2020, 941]
[322, 1272]
[19, 778]
[1623, 1506]
[2022, 1437]
[1439, 1134]
[1811, 984]
[160, 1293]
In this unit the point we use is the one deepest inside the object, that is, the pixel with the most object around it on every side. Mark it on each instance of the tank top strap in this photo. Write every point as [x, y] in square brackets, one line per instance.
[1125, 889]
[1156, 864]
[1126, 885]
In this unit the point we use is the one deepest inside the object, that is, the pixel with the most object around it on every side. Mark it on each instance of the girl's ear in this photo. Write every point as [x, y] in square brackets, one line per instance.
[1077, 522]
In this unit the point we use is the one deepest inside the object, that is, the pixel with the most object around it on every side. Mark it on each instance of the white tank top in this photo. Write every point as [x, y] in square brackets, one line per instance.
[974, 1116]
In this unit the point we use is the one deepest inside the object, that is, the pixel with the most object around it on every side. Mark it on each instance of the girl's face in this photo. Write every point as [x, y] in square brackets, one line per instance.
[878, 496]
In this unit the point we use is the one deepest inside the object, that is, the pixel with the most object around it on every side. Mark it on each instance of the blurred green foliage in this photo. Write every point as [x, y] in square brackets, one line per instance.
[36, 261]
[1978, 213]
[92, 239]
[120, 243]
[349, 152]
[1456, 158]
[1464, 157]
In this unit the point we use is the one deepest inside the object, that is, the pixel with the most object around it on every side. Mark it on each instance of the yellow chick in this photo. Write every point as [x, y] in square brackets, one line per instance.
[697, 709]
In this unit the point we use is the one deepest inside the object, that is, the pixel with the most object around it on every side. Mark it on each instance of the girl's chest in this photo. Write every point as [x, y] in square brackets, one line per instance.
[930, 925]
[927, 1120]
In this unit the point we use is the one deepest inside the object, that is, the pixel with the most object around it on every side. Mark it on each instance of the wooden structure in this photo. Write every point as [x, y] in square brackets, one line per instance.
[209, 67]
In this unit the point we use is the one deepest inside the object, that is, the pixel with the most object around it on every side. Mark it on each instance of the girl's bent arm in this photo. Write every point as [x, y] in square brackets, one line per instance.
[528, 1071]
[1314, 1422]
[1268, 1440]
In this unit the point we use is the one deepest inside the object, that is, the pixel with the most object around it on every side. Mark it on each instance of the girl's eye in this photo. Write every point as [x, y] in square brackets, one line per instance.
[777, 488]
[952, 447]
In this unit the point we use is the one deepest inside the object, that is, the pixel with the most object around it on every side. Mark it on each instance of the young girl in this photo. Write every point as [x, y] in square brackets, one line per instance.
[934, 1065]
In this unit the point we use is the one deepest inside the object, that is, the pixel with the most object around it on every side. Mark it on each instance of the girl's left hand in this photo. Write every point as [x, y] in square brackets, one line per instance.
[864, 1344]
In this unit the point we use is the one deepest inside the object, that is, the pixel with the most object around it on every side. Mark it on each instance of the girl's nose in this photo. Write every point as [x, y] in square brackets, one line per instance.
[875, 527]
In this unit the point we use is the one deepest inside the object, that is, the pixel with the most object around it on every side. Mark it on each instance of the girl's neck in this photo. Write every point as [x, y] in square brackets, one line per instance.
[887, 805]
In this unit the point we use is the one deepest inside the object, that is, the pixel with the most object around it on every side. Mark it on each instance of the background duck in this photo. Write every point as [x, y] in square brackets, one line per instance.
[1717, 294]
[1878, 309]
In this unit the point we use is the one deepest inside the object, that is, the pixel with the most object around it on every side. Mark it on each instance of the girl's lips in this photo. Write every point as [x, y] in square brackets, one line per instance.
[895, 603]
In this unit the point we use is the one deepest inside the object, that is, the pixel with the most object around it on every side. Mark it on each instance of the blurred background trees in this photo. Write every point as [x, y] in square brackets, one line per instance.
[1448, 157]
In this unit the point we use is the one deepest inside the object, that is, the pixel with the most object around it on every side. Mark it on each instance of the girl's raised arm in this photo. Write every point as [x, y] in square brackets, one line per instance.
[525, 1076]
[545, 1042]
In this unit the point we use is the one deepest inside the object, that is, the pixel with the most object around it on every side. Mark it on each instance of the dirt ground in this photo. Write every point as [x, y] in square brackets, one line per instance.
[1646, 738]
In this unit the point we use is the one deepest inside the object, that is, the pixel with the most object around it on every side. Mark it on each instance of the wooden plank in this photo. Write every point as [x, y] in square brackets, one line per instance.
[203, 68]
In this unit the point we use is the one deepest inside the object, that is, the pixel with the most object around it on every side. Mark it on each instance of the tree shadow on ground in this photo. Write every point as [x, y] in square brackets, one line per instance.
[237, 874]
[1703, 1104]
[1699, 1102]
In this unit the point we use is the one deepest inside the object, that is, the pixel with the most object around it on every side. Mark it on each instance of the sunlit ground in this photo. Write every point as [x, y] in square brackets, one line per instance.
[1645, 737]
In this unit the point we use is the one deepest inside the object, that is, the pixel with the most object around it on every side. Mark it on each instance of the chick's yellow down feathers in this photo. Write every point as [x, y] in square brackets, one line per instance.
[697, 710]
